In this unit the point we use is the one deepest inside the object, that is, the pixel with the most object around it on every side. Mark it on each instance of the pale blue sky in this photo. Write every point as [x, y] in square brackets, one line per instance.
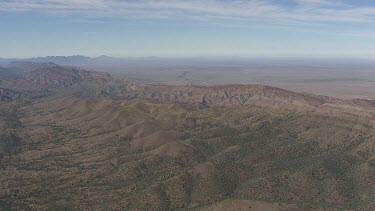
[178, 28]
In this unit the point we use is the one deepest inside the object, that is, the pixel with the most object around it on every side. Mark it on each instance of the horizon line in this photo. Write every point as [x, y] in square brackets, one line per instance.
[194, 57]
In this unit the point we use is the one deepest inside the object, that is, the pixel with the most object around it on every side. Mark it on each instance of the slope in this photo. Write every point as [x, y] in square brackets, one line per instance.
[105, 154]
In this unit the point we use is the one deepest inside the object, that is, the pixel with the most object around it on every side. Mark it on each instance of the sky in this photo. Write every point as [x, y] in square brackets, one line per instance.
[188, 28]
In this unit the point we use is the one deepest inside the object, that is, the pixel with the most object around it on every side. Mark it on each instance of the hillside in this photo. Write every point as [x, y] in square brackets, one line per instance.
[157, 147]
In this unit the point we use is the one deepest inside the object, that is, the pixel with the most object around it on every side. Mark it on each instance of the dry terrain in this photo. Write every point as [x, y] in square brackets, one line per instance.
[72, 139]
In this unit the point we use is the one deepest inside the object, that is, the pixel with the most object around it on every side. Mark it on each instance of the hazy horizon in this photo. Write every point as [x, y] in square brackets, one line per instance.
[239, 58]
[176, 28]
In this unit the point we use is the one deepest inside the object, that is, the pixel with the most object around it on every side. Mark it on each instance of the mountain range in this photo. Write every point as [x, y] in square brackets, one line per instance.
[64, 60]
[77, 139]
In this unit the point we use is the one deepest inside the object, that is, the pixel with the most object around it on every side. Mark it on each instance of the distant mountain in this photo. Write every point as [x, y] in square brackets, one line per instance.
[76, 60]
[104, 58]
[71, 60]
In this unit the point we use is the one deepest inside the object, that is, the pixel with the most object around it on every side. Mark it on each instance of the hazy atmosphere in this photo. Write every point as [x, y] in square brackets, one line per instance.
[178, 28]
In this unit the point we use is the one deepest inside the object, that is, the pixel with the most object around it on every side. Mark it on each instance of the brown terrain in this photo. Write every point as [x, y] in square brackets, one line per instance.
[72, 139]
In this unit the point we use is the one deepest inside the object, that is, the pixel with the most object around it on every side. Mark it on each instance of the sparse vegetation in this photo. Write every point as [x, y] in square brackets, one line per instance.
[157, 147]
[248, 153]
